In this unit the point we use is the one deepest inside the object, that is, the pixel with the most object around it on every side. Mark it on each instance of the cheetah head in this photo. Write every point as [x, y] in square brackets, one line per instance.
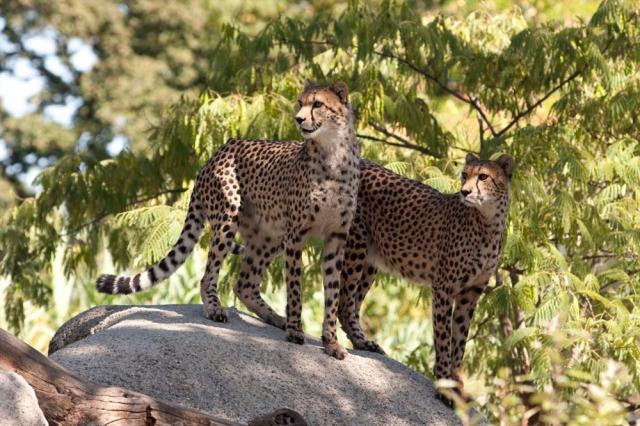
[485, 184]
[323, 111]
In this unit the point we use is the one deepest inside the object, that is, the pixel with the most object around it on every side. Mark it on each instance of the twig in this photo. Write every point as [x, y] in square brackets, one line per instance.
[391, 143]
[537, 103]
[402, 142]
[600, 256]
[389, 133]
[479, 327]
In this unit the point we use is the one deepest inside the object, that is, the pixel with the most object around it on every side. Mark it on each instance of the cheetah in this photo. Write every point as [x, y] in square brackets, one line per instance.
[450, 241]
[275, 194]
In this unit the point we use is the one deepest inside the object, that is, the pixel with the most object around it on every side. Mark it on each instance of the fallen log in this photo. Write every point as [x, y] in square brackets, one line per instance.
[68, 400]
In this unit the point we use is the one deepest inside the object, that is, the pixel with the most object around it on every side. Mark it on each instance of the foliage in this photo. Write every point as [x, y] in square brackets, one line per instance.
[147, 53]
[556, 336]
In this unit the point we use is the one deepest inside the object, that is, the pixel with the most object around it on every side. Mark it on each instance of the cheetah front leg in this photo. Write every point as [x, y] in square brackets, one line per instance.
[293, 263]
[465, 306]
[357, 279]
[442, 308]
[331, 269]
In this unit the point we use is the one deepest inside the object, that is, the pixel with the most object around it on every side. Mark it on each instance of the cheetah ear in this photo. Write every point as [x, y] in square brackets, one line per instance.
[471, 158]
[340, 89]
[506, 162]
[309, 84]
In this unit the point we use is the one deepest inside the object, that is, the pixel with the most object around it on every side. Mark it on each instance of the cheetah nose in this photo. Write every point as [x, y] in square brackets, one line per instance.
[299, 120]
[465, 192]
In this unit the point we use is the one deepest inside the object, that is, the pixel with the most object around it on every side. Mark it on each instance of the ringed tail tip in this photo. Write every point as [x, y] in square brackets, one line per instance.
[105, 283]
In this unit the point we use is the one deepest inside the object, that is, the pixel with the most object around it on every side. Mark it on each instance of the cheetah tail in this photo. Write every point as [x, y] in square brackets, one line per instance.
[193, 226]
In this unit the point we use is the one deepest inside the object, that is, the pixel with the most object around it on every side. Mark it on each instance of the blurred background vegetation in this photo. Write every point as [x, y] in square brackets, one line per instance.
[115, 105]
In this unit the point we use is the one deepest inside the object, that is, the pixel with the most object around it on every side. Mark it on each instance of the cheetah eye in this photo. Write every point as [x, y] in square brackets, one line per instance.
[317, 104]
[482, 176]
[464, 176]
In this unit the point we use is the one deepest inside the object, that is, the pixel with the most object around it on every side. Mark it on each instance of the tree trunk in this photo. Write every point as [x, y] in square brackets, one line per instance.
[67, 400]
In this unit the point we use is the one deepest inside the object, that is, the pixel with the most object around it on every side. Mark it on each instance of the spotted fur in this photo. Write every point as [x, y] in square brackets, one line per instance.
[275, 194]
[451, 242]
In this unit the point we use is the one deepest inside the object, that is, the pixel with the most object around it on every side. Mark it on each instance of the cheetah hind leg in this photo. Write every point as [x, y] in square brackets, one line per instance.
[465, 305]
[221, 243]
[365, 284]
[258, 254]
[442, 309]
[351, 297]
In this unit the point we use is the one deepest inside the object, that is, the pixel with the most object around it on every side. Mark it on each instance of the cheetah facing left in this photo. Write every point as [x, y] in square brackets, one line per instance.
[450, 241]
[275, 194]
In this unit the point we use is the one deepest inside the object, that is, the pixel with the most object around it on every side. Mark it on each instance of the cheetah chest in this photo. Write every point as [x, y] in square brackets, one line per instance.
[484, 264]
[331, 204]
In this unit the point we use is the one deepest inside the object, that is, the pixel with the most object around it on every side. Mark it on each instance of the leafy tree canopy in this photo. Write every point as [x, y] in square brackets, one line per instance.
[147, 54]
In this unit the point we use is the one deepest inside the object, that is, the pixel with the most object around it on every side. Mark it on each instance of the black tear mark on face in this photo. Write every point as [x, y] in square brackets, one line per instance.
[313, 118]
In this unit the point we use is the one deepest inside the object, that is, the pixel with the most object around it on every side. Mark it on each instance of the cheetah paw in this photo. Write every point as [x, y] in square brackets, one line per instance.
[295, 336]
[217, 315]
[371, 346]
[444, 399]
[335, 350]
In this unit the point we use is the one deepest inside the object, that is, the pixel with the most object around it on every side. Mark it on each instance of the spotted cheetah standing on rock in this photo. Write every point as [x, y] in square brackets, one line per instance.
[275, 194]
[451, 242]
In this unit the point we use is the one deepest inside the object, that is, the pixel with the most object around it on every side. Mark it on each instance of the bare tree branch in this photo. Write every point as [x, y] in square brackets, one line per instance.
[402, 142]
[389, 133]
[418, 148]
[537, 103]
[466, 99]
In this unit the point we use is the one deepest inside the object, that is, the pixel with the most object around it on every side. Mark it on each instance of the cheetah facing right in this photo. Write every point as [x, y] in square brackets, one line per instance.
[452, 242]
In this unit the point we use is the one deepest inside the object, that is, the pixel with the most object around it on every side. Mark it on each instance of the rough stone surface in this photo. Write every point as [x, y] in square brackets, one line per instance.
[241, 369]
[18, 402]
[81, 326]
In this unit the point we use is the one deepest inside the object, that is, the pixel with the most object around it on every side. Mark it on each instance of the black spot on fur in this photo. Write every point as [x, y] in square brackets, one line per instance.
[152, 275]
[136, 283]
[123, 285]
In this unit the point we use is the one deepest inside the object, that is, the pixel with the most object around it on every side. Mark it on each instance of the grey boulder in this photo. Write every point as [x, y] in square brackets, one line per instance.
[241, 369]
[18, 402]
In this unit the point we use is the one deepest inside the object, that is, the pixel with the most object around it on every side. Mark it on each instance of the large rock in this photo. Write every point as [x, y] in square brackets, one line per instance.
[18, 402]
[241, 369]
